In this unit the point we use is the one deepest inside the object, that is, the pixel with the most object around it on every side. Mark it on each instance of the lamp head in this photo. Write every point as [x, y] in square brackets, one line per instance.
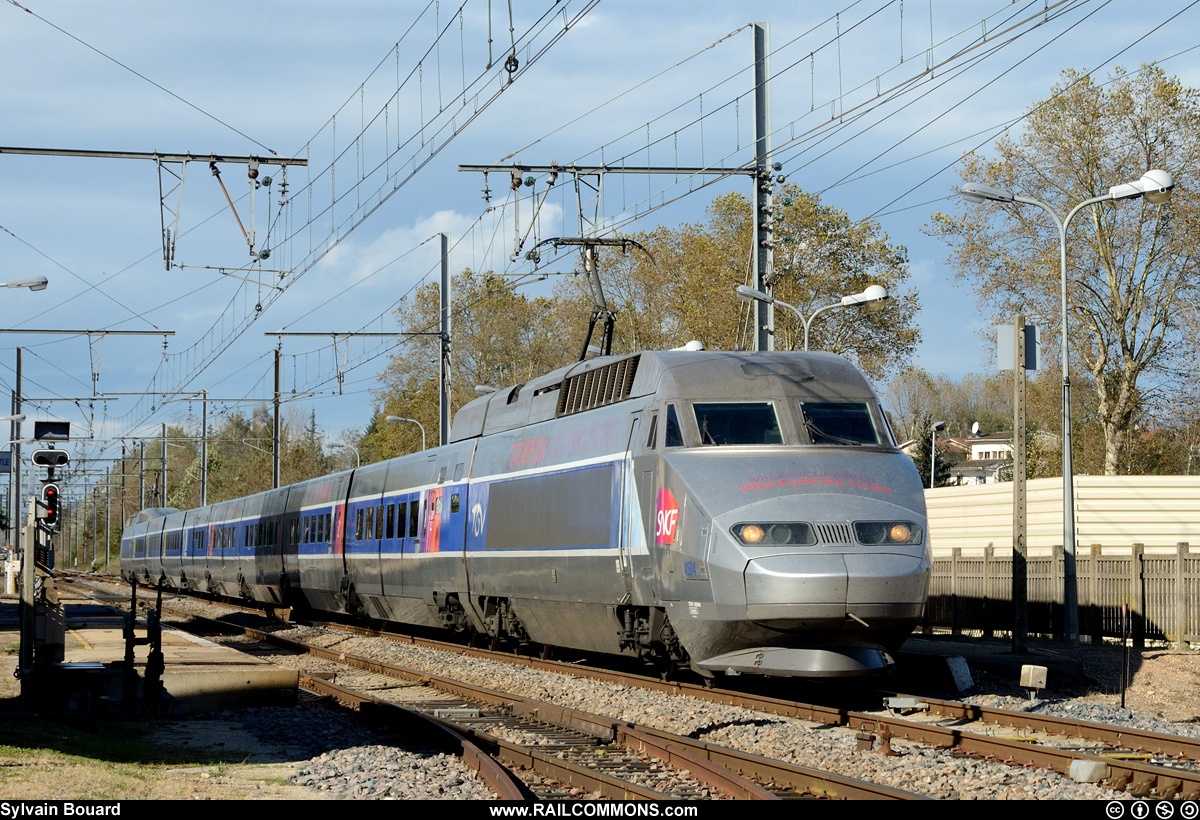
[1155, 186]
[749, 294]
[977, 193]
[873, 297]
[31, 282]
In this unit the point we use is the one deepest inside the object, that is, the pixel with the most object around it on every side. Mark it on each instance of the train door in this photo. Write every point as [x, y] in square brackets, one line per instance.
[631, 522]
[661, 511]
[454, 508]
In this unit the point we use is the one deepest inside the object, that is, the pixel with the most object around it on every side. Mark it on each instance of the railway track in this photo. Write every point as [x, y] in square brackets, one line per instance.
[1133, 761]
[600, 756]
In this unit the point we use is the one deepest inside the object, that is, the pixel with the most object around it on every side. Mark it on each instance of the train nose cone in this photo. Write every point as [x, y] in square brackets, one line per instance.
[803, 588]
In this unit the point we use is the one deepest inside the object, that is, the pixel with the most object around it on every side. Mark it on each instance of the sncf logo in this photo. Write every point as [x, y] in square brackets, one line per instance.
[667, 519]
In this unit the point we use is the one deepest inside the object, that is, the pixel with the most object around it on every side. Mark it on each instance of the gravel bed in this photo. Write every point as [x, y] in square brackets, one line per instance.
[934, 773]
[350, 760]
[1089, 711]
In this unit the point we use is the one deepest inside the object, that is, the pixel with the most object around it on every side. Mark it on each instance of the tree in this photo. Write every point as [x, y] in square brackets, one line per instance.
[1133, 279]
[501, 337]
[684, 289]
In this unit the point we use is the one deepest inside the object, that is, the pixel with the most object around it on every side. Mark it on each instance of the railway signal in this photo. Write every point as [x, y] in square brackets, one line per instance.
[49, 503]
[50, 458]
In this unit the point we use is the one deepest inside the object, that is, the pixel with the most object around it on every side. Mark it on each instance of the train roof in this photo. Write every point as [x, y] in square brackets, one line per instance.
[606, 380]
[149, 514]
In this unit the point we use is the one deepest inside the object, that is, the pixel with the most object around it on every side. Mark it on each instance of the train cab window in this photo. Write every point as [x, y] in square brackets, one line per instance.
[725, 423]
[652, 437]
[674, 432]
[839, 422]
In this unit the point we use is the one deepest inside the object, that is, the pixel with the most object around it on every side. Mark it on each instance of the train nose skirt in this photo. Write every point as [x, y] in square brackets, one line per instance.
[810, 662]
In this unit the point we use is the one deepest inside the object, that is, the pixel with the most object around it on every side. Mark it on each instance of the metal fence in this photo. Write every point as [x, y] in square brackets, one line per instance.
[1162, 591]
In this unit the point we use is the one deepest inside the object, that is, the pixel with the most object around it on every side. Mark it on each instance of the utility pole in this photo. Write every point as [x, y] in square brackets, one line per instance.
[764, 208]
[14, 477]
[162, 483]
[1020, 580]
[761, 171]
[276, 444]
[444, 333]
[444, 375]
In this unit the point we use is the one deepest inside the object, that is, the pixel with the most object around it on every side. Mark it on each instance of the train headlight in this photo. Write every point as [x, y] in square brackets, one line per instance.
[875, 533]
[750, 533]
[774, 534]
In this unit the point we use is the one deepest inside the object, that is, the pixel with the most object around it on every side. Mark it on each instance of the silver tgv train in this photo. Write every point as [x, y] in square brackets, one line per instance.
[741, 513]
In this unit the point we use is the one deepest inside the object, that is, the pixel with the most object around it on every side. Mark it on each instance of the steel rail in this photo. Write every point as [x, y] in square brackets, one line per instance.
[416, 724]
[1137, 778]
[717, 766]
[1119, 737]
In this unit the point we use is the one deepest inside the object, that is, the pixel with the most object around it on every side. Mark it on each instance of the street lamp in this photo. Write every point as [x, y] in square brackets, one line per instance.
[937, 426]
[1155, 186]
[357, 457]
[413, 421]
[873, 296]
[31, 282]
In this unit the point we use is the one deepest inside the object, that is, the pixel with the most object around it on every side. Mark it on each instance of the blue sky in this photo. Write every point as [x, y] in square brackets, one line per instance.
[646, 84]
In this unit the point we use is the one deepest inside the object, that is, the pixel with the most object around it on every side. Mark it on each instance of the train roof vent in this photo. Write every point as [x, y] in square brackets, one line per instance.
[597, 388]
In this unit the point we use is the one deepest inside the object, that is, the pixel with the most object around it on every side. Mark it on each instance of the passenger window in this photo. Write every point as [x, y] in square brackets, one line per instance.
[413, 519]
[378, 522]
[391, 520]
[401, 517]
[651, 440]
[358, 525]
[674, 434]
[454, 503]
[328, 527]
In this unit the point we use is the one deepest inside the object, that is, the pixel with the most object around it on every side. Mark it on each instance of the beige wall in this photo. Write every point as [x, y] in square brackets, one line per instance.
[1113, 511]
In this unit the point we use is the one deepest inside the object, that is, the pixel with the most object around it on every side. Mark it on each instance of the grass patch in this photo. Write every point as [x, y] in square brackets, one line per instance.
[112, 741]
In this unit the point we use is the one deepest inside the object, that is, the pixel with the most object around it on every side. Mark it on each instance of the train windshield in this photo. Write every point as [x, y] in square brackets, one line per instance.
[737, 423]
[839, 422]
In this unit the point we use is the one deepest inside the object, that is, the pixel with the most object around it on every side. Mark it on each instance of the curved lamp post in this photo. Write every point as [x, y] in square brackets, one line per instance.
[872, 296]
[413, 421]
[1156, 187]
[357, 457]
[933, 431]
